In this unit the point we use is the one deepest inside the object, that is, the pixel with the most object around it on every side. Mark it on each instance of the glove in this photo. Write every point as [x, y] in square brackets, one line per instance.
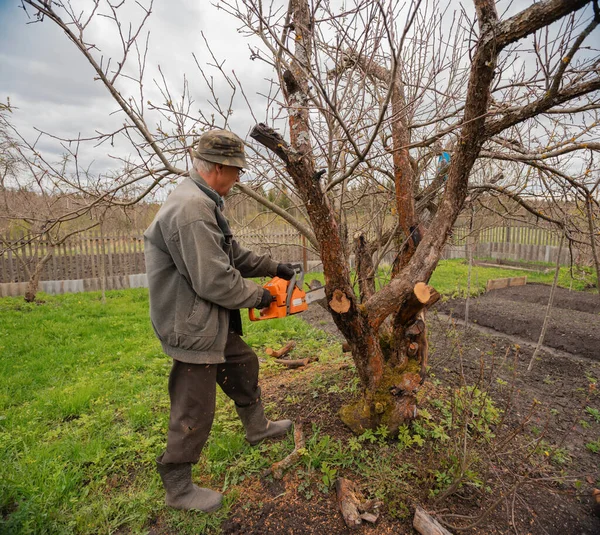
[285, 271]
[266, 299]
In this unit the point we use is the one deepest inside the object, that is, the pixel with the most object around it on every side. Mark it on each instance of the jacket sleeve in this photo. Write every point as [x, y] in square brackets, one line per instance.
[251, 264]
[201, 259]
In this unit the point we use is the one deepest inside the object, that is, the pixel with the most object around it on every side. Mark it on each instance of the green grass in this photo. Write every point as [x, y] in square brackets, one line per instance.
[84, 412]
[450, 277]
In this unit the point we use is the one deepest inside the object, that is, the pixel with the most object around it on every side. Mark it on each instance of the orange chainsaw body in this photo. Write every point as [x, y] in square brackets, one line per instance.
[287, 301]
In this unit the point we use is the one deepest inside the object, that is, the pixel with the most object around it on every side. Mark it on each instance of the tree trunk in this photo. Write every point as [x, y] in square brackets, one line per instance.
[592, 230]
[34, 279]
[392, 401]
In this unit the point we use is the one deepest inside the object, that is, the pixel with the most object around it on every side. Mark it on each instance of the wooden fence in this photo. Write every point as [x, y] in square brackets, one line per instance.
[86, 261]
[514, 235]
[82, 256]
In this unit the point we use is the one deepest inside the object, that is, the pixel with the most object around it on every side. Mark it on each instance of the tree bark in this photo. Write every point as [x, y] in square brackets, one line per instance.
[592, 230]
[34, 279]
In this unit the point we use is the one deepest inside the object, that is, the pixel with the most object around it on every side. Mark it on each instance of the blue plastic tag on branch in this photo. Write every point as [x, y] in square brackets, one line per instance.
[444, 163]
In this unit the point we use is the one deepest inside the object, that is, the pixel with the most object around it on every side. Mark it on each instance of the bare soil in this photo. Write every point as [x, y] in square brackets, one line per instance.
[544, 494]
[574, 324]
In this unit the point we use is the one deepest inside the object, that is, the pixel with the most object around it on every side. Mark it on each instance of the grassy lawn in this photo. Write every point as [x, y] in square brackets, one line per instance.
[450, 277]
[84, 411]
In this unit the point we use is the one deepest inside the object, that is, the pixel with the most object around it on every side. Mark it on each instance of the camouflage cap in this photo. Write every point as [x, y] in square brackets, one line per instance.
[221, 146]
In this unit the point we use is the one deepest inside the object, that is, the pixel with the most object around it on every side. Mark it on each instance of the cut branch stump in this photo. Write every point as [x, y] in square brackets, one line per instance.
[340, 303]
[419, 299]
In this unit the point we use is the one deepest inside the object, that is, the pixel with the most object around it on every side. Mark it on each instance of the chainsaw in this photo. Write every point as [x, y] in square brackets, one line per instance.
[289, 297]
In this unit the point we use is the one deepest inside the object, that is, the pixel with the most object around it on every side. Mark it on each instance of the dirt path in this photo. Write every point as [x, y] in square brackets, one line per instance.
[519, 311]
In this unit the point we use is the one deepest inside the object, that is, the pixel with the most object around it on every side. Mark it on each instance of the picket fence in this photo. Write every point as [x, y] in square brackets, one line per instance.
[90, 261]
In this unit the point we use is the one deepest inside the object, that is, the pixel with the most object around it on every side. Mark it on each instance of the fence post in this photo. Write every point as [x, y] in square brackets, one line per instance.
[304, 254]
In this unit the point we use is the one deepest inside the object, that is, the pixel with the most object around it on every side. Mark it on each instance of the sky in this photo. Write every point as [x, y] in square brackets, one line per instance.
[52, 87]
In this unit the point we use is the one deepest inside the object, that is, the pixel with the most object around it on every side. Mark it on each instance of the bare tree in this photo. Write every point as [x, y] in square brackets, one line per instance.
[364, 101]
[36, 212]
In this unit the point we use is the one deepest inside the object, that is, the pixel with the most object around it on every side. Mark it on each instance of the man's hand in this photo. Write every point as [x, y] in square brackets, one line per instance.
[266, 299]
[285, 271]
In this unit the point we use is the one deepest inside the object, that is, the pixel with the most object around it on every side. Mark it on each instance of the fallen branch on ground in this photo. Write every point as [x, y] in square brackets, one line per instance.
[278, 353]
[353, 509]
[298, 363]
[279, 467]
[427, 525]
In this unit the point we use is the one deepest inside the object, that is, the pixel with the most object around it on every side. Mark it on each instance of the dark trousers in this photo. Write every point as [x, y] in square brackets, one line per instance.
[192, 389]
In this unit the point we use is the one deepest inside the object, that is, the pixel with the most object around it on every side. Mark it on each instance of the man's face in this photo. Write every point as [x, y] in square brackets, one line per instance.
[226, 177]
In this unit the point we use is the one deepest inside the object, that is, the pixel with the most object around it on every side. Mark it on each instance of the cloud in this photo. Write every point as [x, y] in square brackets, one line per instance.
[53, 86]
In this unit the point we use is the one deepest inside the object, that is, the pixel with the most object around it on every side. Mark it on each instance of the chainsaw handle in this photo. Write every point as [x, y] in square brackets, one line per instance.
[283, 292]
[267, 313]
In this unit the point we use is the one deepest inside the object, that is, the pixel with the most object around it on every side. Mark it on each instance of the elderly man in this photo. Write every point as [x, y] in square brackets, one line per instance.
[197, 283]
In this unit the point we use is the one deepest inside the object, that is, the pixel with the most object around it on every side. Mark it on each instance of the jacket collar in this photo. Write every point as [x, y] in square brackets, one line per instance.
[211, 193]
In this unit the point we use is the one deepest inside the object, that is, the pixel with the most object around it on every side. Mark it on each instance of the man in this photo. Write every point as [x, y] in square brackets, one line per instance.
[196, 278]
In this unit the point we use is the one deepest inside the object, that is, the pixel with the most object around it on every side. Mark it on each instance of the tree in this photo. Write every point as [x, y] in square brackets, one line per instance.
[36, 211]
[366, 108]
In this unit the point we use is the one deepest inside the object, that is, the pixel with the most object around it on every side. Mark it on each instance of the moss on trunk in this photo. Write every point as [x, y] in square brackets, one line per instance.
[392, 404]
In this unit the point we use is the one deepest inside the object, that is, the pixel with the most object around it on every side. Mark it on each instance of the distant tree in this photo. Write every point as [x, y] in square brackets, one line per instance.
[33, 211]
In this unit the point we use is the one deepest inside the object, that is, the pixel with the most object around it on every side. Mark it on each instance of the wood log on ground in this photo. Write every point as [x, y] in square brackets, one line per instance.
[279, 467]
[296, 363]
[348, 502]
[278, 353]
[353, 509]
[427, 525]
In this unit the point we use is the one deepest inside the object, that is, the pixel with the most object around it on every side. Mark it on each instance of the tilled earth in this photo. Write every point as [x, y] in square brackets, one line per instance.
[573, 327]
[548, 404]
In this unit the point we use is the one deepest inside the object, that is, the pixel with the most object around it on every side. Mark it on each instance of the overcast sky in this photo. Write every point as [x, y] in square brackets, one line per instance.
[51, 85]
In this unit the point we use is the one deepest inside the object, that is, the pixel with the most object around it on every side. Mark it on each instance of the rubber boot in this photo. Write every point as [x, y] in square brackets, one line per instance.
[257, 426]
[182, 493]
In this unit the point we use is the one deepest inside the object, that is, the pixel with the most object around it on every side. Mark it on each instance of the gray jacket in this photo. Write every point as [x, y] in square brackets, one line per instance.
[196, 274]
